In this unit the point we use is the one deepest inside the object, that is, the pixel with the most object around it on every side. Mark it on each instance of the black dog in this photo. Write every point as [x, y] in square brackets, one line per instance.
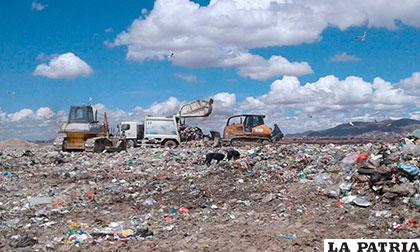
[233, 154]
[213, 155]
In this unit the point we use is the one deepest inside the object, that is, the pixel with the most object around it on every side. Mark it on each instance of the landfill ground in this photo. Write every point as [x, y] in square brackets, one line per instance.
[274, 198]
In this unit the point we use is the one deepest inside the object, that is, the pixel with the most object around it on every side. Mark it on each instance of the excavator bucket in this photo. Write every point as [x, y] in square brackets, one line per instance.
[199, 108]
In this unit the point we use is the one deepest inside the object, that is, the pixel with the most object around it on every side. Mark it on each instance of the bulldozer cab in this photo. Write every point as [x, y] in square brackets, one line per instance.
[81, 114]
[252, 121]
[246, 122]
[246, 125]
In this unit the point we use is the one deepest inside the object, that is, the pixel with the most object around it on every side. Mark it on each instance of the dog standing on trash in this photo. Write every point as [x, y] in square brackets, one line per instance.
[231, 154]
[213, 155]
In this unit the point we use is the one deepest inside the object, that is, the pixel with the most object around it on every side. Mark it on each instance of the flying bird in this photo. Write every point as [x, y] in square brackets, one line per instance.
[351, 123]
[12, 93]
[361, 38]
[171, 54]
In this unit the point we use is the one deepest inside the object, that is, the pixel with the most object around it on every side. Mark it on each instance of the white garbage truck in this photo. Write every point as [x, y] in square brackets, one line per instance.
[163, 131]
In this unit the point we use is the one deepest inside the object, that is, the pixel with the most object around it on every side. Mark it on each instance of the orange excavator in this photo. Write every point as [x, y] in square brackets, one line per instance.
[248, 129]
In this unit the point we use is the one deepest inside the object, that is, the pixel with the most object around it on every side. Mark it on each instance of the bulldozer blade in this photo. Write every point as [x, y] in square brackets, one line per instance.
[217, 141]
[240, 141]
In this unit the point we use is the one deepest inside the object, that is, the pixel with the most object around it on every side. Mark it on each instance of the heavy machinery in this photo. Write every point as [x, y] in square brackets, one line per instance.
[248, 129]
[163, 131]
[155, 131]
[83, 131]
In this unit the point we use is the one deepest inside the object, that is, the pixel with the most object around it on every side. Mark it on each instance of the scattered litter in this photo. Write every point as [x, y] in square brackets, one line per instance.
[148, 196]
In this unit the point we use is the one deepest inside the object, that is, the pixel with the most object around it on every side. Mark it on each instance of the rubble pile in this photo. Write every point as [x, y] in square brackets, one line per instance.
[274, 197]
[188, 133]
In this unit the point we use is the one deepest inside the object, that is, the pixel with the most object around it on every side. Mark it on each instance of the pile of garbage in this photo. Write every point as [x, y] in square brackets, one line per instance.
[188, 133]
[273, 197]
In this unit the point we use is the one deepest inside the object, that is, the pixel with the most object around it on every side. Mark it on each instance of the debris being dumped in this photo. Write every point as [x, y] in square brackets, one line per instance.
[166, 131]
[190, 133]
[269, 197]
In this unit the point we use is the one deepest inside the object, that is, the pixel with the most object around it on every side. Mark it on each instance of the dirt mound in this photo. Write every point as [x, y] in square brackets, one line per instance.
[14, 144]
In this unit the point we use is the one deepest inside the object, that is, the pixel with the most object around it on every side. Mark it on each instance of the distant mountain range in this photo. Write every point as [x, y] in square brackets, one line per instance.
[402, 126]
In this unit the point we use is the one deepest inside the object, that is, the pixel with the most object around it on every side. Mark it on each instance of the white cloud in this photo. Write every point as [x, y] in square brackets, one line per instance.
[330, 101]
[411, 85]
[190, 78]
[64, 66]
[224, 103]
[223, 33]
[167, 108]
[25, 124]
[38, 6]
[344, 57]
[21, 115]
[45, 113]
[257, 68]
[331, 94]
[295, 106]
[415, 115]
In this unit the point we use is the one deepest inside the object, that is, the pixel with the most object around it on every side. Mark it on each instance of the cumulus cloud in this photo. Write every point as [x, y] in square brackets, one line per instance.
[38, 6]
[295, 106]
[331, 94]
[21, 115]
[224, 103]
[415, 115]
[190, 78]
[411, 85]
[166, 108]
[29, 125]
[344, 57]
[64, 66]
[329, 101]
[257, 68]
[223, 33]
[45, 113]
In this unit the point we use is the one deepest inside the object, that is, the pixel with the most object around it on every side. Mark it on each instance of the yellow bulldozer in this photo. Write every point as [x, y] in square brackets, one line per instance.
[247, 129]
[83, 131]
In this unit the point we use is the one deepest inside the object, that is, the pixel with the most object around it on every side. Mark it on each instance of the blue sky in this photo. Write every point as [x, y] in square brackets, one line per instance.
[30, 37]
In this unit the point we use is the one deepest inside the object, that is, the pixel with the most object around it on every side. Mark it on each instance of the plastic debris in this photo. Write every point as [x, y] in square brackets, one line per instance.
[34, 201]
[409, 169]
[284, 191]
[7, 174]
[361, 201]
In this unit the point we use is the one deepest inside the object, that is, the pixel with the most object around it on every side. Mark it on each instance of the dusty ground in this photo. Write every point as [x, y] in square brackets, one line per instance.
[272, 199]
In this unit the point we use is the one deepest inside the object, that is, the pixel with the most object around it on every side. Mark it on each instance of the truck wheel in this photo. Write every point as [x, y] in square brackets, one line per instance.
[130, 144]
[170, 144]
